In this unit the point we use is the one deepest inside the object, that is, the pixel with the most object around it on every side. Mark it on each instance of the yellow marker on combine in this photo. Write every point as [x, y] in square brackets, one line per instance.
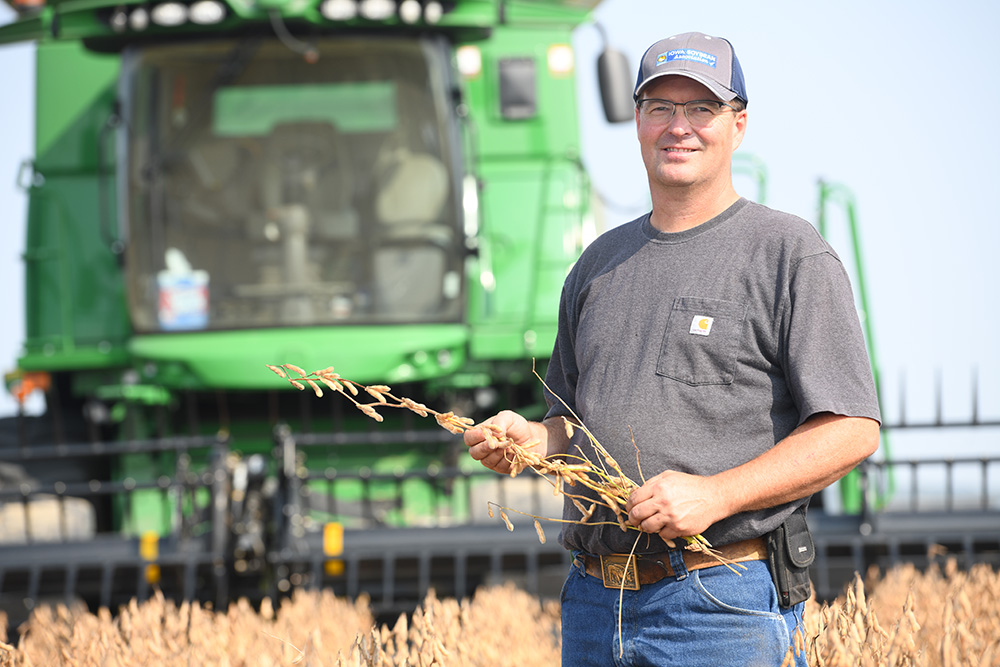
[333, 546]
[149, 550]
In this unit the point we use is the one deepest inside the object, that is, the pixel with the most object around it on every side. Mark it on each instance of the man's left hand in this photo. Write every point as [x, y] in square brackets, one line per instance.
[675, 504]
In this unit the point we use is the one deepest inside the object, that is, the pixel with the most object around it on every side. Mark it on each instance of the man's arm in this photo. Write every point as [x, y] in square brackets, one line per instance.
[819, 452]
[547, 438]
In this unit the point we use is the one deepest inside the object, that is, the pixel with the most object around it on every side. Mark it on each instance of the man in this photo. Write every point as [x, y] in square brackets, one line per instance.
[722, 336]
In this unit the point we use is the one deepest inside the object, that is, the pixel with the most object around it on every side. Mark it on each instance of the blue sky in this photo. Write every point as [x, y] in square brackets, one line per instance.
[895, 100]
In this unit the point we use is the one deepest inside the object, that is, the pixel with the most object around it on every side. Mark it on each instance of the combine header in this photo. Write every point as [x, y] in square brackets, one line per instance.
[390, 186]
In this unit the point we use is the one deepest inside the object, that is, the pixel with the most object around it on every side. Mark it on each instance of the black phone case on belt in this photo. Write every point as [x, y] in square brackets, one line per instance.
[791, 551]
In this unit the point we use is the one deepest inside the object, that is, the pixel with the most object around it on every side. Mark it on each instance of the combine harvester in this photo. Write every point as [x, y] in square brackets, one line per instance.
[390, 186]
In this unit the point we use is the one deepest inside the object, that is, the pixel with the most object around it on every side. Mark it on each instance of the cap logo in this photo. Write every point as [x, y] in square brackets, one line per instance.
[687, 54]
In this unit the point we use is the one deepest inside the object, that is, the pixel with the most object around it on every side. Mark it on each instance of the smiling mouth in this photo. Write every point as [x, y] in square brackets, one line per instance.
[674, 149]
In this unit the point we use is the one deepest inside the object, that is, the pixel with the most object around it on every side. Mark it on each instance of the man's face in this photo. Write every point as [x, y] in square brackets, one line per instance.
[675, 153]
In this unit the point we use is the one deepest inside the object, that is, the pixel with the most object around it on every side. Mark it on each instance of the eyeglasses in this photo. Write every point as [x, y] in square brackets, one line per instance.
[698, 112]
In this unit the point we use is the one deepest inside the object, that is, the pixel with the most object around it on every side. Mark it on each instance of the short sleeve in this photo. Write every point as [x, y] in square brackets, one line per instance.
[562, 373]
[826, 361]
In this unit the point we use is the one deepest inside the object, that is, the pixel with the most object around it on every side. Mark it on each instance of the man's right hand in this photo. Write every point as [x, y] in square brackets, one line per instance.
[485, 441]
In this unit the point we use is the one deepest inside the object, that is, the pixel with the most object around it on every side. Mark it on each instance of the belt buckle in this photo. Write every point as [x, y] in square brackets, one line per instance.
[620, 571]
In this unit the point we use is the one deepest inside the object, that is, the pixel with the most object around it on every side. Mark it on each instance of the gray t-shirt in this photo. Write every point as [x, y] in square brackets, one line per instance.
[708, 346]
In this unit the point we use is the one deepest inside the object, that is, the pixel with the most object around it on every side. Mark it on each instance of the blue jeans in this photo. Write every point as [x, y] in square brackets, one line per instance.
[708, 617]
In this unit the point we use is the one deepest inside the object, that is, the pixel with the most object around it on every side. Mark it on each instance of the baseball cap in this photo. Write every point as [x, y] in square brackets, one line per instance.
[708, 60]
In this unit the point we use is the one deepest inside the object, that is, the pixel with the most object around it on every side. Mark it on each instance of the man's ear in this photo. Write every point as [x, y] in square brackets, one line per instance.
[739, 128]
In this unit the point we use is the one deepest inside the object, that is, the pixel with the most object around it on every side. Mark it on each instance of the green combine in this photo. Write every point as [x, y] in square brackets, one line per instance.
[391, 187]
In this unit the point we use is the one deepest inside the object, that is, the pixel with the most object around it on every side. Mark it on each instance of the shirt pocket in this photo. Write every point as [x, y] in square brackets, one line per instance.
[702, 341]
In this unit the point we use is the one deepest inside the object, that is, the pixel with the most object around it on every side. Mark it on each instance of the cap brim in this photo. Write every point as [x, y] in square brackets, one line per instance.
[717, 89]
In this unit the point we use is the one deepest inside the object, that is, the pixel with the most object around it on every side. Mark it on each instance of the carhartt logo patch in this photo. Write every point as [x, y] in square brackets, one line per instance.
[701, 325]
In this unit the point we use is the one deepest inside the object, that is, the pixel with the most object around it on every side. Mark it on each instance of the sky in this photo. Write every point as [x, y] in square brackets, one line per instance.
[895, 101]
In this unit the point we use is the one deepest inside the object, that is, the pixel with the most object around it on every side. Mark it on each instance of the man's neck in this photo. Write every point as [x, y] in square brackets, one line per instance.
[680, 209]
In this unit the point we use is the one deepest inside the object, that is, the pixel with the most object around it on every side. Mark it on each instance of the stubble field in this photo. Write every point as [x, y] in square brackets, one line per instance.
[942, 617]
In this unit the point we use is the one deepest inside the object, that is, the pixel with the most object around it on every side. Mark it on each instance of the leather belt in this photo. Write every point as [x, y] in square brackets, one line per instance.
[647, 569]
